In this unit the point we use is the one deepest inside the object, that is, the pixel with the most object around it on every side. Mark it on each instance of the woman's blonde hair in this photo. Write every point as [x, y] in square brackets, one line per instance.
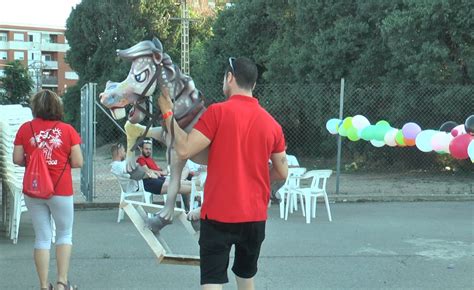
[47, 105]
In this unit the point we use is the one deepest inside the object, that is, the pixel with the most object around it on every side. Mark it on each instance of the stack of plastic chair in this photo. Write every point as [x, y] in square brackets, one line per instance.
[11, 118]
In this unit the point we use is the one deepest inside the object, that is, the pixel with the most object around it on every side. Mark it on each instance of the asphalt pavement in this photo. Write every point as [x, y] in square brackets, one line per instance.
[371, 245]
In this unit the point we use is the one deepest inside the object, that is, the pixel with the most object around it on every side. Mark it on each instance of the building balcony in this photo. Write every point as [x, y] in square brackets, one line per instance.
[25, 45]
[49, 81]
[50, 64]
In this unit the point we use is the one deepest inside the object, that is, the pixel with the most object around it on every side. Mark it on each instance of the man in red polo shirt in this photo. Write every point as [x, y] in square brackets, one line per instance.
[240, 136]
[156, 182]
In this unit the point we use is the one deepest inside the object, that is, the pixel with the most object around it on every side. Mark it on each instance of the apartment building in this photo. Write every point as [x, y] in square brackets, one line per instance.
[42, 50]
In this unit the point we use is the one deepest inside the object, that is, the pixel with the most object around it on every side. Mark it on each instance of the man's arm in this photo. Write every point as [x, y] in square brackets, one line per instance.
[186, 145]
[279, 169]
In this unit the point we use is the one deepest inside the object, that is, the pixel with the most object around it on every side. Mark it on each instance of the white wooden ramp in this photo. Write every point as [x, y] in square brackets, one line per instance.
[137, 212]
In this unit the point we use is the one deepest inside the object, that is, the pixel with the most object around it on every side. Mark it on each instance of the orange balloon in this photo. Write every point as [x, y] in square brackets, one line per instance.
[409, 142]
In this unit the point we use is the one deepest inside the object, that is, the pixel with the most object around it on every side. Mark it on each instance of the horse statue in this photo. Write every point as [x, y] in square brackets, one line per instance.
[153, 70]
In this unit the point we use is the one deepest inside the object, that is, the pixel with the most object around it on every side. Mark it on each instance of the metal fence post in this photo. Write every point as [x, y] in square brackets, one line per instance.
[88, 136]
[339, 139]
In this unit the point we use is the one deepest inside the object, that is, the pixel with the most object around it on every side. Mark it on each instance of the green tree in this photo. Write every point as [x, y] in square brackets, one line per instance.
[245, 29]
[16, 84]
[430, 42]
[393, 55]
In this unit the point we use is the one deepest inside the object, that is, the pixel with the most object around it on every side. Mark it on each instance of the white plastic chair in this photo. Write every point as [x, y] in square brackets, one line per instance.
[194, 190]
[292, 182]
[127, 193]
[310, 194]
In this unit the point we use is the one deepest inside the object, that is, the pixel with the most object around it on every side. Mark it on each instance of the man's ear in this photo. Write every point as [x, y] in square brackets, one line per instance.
[229, 76]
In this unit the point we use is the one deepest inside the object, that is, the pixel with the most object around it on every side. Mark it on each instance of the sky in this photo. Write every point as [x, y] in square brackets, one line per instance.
[36, 12]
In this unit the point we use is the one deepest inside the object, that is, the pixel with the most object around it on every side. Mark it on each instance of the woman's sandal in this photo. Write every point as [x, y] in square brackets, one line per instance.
[50, 287]
[66, 286]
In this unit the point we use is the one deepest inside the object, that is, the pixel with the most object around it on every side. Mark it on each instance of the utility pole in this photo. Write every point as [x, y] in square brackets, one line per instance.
[184, 35]
[37, 68]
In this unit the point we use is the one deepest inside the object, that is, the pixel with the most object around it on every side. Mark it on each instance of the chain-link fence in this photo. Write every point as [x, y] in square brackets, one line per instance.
[303, 111]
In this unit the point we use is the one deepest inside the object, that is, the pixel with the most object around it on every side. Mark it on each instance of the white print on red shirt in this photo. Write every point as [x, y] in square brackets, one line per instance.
[48, 140]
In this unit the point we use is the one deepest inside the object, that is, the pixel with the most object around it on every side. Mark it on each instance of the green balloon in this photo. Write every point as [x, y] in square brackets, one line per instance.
[352, 134]
[399, 138]
[347, 123]
[383, 123]
[342, 131]
[380, 132]
[367, 133]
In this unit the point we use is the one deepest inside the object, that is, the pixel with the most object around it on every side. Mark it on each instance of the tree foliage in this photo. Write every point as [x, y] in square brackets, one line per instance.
[314, 41]
[16, 84]
[403, 60]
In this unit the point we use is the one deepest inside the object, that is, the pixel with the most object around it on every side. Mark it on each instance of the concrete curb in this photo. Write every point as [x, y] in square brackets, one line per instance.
[340, 198]
[401, 198]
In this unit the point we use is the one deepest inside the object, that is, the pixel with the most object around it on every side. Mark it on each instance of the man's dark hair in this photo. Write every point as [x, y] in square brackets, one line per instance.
[244, 70]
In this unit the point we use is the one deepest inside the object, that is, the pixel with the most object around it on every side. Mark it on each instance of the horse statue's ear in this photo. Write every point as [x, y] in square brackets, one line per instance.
[157, 43]
[157, 55]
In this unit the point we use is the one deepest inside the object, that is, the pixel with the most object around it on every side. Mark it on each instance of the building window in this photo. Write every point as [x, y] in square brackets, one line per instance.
[53, 38]
[18, 37]
[47, 57]
[3, 55]
[3, 36]
[19, 55]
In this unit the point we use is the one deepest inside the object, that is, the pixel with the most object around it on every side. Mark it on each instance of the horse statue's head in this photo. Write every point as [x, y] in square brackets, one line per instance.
[151, 68]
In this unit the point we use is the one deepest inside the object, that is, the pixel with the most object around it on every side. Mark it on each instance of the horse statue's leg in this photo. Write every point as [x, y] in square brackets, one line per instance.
[165, 216]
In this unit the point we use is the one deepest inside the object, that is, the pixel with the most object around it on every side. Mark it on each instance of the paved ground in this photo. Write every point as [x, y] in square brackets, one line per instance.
[419, 245]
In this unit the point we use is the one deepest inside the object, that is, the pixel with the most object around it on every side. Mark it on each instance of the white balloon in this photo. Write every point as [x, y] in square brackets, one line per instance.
[360, 122]
[331, 125]
[423, 140]
[438, 140]
[458, 130]
[445, 145]
[389, 138]
[470, 150]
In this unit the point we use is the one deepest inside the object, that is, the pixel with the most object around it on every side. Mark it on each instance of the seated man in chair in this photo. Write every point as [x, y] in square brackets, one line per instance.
[119, 168]
[156, 179]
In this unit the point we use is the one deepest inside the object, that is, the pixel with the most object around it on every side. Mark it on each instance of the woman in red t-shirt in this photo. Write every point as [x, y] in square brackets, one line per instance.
[62, 151]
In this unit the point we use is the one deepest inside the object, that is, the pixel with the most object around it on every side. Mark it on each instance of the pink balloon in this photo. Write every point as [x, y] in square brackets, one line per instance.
[438, 140]
[458, 146]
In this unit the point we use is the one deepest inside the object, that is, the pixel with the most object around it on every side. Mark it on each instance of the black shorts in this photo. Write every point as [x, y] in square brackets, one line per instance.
[154, 185]
[216, 240]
